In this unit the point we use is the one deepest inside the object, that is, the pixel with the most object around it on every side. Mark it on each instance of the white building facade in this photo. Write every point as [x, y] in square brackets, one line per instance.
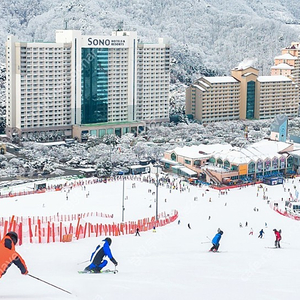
[83, 81]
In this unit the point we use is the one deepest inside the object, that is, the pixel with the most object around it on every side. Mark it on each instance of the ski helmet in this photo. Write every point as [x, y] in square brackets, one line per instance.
[108, 240]
[13, 235]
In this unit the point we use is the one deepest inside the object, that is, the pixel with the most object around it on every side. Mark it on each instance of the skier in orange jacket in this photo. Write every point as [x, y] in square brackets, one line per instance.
[8, 255]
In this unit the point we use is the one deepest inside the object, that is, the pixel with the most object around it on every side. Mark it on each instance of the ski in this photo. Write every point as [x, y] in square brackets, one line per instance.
[214, 251]
[273, 247]
[103, 271]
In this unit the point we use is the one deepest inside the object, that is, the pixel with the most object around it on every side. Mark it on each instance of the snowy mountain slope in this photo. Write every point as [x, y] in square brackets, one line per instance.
[213, 34]
[174, 262]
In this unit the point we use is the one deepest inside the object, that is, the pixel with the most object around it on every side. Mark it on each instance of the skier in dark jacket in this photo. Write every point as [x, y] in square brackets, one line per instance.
[98, 263]
[216, 241]
[261, 234]
[8, 254]
[137, 232]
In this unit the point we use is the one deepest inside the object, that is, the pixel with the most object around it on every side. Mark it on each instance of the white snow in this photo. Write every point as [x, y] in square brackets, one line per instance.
[220, 79]
[174, 262]
[286, 56]
[283, 66]
[273, 78]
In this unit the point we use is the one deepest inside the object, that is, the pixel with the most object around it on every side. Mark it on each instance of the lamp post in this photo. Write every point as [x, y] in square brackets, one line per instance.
[156, 166]
[123, 207]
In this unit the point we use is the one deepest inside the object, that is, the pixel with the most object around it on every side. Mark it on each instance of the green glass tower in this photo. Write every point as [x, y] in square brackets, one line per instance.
[250, 106]
[94, 85]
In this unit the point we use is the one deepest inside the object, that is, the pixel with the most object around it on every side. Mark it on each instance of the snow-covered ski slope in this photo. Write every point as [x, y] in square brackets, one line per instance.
[173, 262]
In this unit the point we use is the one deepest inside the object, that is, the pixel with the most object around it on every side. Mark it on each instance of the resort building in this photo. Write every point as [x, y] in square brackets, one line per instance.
[96, 84]
[288, 63]
[212, 99]
[223, 163]
[244, 95]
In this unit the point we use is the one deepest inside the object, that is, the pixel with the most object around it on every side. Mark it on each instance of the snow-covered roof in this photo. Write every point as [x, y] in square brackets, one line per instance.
[261, 150]
[285, 56]
[248, 74]
[283, 66]
[295, 153]
[185, 170]
[220, 79]
[198, 152]
[296, 146]
[52, 143]
[204, 83]
[86, 170]
[137, 166]
[273, 78]
[199, 87]
[188, 171]
[168, 161]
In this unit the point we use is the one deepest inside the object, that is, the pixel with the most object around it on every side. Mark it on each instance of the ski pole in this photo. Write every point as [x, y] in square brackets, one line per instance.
[49, 284]
[205, 242]
[208, 238]
[83, 262]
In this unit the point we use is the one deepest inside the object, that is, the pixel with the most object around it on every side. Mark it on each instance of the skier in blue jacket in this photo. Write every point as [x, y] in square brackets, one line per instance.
[216, 241]
[98, 263]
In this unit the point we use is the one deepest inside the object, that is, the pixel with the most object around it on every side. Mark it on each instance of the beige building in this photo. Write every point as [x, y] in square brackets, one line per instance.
[212, 99]
[277, 95]
[288, 63]
[244, 95]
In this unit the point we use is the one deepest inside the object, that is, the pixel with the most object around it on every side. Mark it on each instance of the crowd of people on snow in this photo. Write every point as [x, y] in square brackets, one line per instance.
[9, 256]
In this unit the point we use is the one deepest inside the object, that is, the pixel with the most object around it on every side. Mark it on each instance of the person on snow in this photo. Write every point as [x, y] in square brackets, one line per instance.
[137, 232]
[277, 238]
[261, 234]
[98, 263]
[216, 241]
[9, 256]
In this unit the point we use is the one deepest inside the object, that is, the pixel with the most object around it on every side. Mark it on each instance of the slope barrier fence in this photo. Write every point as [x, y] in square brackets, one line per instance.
[42, 230]
[286, 214]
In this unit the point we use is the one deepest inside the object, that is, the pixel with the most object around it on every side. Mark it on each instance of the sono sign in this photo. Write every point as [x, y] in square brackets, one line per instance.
[104, 42]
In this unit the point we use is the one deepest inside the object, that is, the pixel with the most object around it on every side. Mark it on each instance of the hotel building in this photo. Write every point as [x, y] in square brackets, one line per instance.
[86, 85]
[244, 95]
[212, 99]
[219, 163]
[288, 63]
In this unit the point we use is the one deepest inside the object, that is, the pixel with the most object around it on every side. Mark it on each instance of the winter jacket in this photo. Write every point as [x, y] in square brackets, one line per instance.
[216, 239]
[278, 235]
[8, 255]
[100, 253]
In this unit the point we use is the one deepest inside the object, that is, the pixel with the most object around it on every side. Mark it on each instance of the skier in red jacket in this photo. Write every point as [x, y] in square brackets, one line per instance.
[278, 238]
